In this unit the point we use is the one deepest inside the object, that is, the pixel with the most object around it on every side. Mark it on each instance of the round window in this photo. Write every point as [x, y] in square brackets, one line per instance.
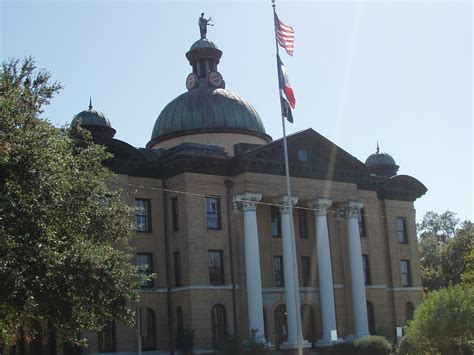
[302, 155]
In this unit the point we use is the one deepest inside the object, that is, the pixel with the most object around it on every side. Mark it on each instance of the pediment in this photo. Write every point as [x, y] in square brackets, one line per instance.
[310, 155]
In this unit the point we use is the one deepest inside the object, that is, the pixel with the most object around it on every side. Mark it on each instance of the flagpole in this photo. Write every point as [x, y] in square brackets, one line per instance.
[292, 229]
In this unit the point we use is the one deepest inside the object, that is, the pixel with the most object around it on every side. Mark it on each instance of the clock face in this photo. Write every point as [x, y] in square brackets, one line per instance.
[215, 78]
[191, 81]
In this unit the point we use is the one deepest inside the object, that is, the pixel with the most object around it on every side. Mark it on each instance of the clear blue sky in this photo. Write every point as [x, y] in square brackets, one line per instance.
[396, 72]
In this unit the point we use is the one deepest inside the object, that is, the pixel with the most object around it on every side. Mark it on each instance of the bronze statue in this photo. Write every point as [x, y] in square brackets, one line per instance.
[203, 23]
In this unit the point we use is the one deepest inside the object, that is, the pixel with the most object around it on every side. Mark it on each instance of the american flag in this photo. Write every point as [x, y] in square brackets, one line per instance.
[285, 35]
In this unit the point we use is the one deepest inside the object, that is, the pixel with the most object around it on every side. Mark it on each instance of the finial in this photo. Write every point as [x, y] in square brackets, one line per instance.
[378, 149]
[90, 102]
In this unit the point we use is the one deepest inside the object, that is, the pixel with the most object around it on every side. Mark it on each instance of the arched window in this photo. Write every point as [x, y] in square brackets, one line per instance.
[409, 310]
[219, 324]
[307, 323]
[281, 327]
[371, 318]
[147, 328]
[106, 338]
[179, 323]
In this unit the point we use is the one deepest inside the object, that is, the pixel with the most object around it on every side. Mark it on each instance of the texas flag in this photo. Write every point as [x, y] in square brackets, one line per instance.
[285, 83]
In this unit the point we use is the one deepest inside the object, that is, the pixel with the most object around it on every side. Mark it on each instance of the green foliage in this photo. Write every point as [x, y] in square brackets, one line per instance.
[64, 257]
[444, 244]
[343, 349]
[369, 345]
[468, 275]
[373, 345]
[230, 345]
[255, 344]
[443, 323]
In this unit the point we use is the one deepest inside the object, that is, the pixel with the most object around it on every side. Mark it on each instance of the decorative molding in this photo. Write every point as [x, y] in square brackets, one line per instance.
[352, 209]
[320, 206]
[246, 202]
[285, 204]
[309, 298]
[187, 288]
[376, 286]
[393, 289]
[270, 299]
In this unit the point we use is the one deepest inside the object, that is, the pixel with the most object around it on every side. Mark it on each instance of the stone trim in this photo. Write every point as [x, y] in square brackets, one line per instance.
[187, 288]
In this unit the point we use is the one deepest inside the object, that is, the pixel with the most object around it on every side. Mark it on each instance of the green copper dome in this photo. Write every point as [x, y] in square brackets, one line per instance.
[203, 43]
[92, 117]
[382, 164]
[206, 110]
[96, 122]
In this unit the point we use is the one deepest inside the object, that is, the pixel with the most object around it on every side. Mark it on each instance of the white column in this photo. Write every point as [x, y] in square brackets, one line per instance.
[292, 293]
[359, 305]
[248, 203]
[326, 285]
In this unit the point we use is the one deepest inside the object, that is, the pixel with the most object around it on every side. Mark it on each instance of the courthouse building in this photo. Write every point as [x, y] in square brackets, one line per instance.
[213, 223]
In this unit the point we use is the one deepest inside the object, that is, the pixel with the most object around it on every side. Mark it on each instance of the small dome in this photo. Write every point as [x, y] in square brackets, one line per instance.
[380, 159]
[203, 43]
[92, 117]
[95, 121]
[381, 164]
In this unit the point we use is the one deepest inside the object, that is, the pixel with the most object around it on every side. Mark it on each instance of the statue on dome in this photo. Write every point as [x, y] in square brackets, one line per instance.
[203, 23]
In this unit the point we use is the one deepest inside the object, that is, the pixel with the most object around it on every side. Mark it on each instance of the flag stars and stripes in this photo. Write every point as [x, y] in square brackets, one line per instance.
[285, 35]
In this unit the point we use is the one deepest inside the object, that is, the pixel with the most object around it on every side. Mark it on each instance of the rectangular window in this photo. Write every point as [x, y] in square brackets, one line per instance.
[303, 224]
[145, 269]
[278, 271]
[305, 270]
[143, 215]
[362, 230]
[366, 267]
[213, 213]
[215, 260]
[405, 272]
[177, 268]
[174, 214]
[276, 222]
[402, 230]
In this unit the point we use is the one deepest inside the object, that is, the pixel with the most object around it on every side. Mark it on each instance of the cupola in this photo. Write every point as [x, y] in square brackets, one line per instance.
[207, 113]
[96, 122]
[381, 164]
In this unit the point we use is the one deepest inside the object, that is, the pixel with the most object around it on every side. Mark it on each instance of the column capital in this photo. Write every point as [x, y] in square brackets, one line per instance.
[352, 208]
[320, 206]
[286, 204]
[246, 201]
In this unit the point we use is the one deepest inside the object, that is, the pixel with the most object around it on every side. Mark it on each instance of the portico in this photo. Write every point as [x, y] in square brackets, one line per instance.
[248, 203]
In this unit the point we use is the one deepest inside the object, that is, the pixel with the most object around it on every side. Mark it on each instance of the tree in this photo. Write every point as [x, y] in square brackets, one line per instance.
[444, 244]
[65, 262]
[443, 323]
[468, 274]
